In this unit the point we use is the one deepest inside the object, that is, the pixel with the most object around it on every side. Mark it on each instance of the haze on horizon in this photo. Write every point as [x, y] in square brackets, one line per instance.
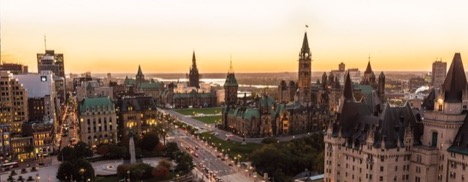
[262, 36]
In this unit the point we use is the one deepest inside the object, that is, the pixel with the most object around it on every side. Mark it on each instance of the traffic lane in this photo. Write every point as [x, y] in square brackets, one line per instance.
[208, 158]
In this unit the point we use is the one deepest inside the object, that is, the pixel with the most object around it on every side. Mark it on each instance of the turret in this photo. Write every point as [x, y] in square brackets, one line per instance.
[324, 80]
[381, 87]
[451, 98]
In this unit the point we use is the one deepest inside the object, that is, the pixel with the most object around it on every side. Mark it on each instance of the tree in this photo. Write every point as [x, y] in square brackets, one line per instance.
[172, 149]
[165, 163]
[103, 150]
[122, 170]
[140, 171]
[184, 163]
[82, 150]
[149, 141]
[83, 170]
[162, 129]
[65, 171]
[160, 172]
[67, 154]
[116, 152]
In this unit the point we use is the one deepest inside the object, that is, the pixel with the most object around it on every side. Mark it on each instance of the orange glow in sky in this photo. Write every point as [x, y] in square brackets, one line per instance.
[262, 36]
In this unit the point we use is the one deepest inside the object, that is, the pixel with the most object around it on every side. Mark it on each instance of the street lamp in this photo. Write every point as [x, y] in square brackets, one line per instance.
[128, 175]
[82, 171]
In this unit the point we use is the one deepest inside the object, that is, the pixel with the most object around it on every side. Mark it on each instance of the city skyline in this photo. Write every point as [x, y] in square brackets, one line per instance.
[161, 36]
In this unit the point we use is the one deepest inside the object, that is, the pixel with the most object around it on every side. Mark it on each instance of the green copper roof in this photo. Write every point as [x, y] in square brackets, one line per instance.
[130, 81]
[95, 102]
[151, 85]
[231, 81]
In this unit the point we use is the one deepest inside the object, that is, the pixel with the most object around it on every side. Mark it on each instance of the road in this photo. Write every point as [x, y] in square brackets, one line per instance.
[222, 134]
[207, 160]
[70, 120]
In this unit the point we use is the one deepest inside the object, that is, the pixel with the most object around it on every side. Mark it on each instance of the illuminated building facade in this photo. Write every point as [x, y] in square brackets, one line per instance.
[136, 113]
[98, 121]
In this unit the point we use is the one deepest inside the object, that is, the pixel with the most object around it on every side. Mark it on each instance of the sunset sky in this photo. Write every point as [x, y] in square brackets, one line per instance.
[262, 35]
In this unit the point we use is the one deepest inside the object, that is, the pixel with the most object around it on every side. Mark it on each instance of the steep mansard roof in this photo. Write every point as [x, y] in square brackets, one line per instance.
[455, 82]
[460, 143]
[356, 120]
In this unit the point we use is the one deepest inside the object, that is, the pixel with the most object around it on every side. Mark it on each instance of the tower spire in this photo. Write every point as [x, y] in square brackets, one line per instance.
[194, 60]
[139, 70]
[45, 42]
[231, 70]
[369, 67]
[305, 46]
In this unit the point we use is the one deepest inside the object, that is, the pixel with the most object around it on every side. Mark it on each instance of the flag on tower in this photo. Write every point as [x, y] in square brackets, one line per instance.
[307, 26]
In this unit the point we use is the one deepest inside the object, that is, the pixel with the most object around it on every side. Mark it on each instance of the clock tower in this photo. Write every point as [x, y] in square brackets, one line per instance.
[304, 72]
[230, 89]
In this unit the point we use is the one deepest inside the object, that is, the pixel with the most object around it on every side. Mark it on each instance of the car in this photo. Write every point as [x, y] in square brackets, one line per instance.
[195, 154]
[196, 147]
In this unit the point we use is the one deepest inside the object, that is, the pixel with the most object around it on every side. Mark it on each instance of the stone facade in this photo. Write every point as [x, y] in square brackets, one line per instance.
[136, 113]
[390, 143]
[13, 102]
[98, 121]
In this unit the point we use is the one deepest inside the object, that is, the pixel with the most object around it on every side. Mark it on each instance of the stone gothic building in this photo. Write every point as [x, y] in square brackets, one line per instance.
[194, 77]
[373, 141]
[191, 94]
[298, 110]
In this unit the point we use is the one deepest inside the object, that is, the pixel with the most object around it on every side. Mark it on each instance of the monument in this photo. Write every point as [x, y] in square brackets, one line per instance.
[131, 148]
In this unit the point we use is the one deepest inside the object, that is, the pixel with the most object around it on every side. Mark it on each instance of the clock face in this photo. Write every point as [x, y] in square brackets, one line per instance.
[43, 78]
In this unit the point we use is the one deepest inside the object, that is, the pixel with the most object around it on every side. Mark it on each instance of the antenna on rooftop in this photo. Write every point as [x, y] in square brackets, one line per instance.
[45, 42]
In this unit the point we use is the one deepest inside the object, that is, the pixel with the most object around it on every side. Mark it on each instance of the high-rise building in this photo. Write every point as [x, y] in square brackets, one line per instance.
[371, 142]
[51, 61]
[14, 68]
[194, 77]
[13, 102]
[98, 121]
[55, 63]
[304, 72]
[42, 96]
[439, 71]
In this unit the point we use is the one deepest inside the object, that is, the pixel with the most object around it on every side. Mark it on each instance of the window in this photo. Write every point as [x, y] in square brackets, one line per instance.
[434, 139]
[381, 168]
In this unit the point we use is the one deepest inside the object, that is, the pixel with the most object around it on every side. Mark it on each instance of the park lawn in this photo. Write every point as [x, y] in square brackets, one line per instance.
[208, 119]
[190, 111]
[235, 148]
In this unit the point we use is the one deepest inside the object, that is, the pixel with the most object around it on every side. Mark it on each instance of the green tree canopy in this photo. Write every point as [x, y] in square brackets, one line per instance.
[65, 171]
[172, 149]
[67, 154]
[149, 141]
[184, 162]
[83, 170]
[82, 150]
